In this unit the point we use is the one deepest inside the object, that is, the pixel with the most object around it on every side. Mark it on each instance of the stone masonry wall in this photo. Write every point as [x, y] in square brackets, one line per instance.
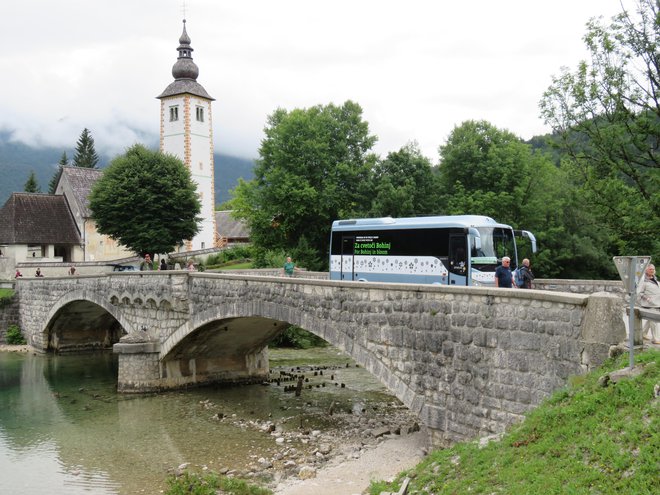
[8, 317]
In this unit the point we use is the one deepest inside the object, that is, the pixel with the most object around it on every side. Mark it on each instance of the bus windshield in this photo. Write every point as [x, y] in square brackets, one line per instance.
[496, 242]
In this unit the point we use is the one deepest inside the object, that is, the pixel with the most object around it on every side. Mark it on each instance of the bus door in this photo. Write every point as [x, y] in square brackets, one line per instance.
[347, 271]
[458, 262]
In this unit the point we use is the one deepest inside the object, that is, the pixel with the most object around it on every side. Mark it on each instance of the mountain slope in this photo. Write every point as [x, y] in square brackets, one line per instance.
[17, 160]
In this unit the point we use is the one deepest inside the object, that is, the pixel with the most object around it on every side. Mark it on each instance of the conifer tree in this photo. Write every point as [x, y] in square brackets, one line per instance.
[31, 185]
[52, 185]
[85, 155]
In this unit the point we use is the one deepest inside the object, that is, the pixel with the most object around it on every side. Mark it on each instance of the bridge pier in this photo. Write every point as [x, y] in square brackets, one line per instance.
[139, 366]
[141, 369]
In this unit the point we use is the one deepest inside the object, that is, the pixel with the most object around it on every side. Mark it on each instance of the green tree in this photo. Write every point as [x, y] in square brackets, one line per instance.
[52, 185]
[404, 185]
[607, 114]
[313, 167]
[147, 201]
[85, 155]
[31, 184]
[487, 171]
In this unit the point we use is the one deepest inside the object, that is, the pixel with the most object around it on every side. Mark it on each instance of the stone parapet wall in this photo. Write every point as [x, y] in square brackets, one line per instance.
[577, 286]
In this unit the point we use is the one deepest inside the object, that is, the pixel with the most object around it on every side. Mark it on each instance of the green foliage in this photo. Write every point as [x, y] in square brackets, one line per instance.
[297, 338]
[31, 185]
[147, 201]
[210, 484]
[404, 185]
[268, 258]
[14, 336]
[6, 296]
[314, 165]
[607, 116]
[585, 439]
[85, 155]
[229, 255]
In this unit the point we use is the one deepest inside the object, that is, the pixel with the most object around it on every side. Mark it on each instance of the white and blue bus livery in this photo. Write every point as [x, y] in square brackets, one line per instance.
[446, 250]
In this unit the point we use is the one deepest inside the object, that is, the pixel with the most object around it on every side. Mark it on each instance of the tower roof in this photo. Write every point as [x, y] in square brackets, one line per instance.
[185, 72]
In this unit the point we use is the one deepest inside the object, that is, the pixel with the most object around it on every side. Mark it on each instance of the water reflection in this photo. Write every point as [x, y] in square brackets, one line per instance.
[65, 430]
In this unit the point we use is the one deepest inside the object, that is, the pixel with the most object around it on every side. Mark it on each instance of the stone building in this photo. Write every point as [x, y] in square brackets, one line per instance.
[55, 228]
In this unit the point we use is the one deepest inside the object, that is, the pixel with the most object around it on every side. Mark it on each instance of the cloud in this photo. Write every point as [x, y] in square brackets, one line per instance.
[417, 68]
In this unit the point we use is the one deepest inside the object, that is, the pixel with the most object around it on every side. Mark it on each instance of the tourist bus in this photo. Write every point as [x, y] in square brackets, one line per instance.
[443, 250]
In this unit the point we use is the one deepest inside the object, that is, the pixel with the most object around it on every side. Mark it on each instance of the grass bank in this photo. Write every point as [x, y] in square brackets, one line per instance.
[592, 437]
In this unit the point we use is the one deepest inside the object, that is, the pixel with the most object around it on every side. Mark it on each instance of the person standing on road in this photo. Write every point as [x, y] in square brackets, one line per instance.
[648, 295]
[503, 275]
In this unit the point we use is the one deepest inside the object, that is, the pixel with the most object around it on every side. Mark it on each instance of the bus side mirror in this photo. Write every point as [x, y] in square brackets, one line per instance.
[476, 238]
[532, 239]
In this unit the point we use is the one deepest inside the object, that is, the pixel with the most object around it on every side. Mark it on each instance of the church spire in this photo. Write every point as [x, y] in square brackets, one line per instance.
[185, 68]
[185, 71]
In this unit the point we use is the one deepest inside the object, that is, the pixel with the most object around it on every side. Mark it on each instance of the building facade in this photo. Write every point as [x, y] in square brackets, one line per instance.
[186, 131]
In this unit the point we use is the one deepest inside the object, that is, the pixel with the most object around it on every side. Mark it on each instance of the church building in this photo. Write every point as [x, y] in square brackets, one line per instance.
[186, 131]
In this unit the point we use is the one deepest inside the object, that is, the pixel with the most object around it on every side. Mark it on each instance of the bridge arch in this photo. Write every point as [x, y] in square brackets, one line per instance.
[80, 321]
[245, 329]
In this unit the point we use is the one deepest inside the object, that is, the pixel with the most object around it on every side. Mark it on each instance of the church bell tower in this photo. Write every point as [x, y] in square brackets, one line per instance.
[186, 131]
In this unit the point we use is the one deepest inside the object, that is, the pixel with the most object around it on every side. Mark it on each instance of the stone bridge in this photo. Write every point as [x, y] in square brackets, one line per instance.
[467, 360]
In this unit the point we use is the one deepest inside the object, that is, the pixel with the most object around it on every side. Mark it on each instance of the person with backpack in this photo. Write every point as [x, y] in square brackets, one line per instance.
[523, 275]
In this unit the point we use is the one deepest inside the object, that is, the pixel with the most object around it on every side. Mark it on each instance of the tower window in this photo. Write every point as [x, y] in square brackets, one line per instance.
[200, 114]
[174, 113]
[201, 165]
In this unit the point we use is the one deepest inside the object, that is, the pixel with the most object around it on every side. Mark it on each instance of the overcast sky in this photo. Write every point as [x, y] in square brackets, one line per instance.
[418, 68]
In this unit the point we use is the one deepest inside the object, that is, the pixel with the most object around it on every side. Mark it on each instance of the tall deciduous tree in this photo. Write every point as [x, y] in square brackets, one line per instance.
[85, 155]
[31, 184]
[52, 185]
[487, 171]
[404, 185]
[147, 201]
[607, 113]
[313, 167]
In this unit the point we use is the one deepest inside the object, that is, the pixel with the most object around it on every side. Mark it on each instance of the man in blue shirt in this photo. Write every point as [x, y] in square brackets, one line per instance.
[503, 275]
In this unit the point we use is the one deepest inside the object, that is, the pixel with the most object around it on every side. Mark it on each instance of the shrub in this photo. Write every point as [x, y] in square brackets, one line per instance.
[211, 484]
[14, 336]
[297, 338]
[6, 296]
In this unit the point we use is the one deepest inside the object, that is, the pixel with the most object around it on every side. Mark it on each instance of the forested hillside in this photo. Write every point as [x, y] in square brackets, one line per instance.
[17, 160]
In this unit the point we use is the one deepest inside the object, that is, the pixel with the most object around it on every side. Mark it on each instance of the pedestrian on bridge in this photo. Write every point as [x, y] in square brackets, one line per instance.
[648, 295]
[147, 264]
[525, 277]
[289, 267]
[503, 275]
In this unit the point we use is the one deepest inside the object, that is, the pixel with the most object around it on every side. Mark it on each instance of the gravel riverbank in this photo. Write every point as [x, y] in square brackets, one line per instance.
[351, 472]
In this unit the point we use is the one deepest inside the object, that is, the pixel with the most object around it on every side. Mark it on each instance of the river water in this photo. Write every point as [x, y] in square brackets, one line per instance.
[65, 430]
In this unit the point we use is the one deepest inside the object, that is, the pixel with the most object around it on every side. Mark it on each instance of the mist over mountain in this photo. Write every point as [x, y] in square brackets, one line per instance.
[17, 160]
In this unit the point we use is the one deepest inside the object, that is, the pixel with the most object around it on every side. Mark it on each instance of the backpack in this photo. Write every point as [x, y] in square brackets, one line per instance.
[519, 278]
